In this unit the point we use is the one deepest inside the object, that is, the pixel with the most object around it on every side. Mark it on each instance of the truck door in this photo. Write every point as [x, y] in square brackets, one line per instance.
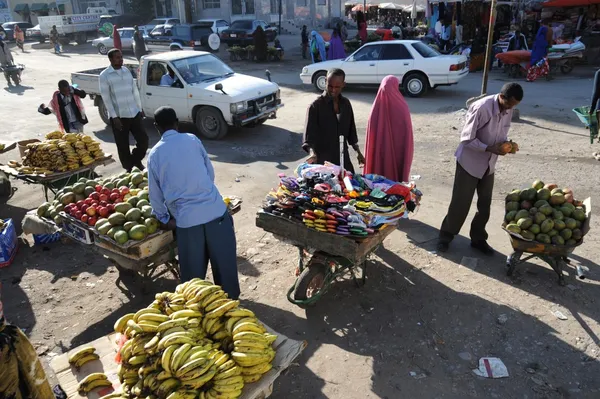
[157, 91]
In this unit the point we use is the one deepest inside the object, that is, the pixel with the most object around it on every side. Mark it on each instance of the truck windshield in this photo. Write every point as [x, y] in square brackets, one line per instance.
[200, 68]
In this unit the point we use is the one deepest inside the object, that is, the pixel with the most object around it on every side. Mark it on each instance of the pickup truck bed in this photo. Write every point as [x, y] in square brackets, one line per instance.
[88, 80]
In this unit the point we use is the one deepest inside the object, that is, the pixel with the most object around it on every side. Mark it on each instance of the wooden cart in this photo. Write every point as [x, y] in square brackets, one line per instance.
[323, 257]
[56, 181]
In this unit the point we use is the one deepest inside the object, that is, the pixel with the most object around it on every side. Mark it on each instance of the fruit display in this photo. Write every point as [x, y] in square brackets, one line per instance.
[192, 343]
[93, 381]
[546, 214]
[82, 357]
[60, 152]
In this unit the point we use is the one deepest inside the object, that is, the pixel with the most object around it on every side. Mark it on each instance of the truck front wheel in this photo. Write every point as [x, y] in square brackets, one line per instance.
[210, 123]
[103, 112]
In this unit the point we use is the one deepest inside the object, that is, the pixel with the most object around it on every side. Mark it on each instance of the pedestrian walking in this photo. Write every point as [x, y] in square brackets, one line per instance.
[122, 100]
[329, 117]
[54, 39]
[6, 59]
[184, 197]
[67, 106]
[19, 38]
[304, 35]
[481, 143]
[139, 43]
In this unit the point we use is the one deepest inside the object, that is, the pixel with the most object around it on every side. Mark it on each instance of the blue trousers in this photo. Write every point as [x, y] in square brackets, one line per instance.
[214, 241]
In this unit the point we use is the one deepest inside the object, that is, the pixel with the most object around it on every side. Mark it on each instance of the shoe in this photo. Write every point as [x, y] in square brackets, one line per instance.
[483, 246]
[442, 246]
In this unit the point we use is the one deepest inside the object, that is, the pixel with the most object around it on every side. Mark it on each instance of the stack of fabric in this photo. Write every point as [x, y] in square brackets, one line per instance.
[356, 207]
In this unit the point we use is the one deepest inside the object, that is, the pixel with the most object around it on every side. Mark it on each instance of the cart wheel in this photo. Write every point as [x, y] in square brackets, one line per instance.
[310, 282]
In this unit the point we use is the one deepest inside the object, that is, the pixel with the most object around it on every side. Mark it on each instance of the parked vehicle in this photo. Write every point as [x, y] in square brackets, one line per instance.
[415, 64]
[198, 36]
[206, 91]
[217, 25]
[161, 21]
[35, 33]
[9, 28]
[75, 27]
[104, 44]
[240, 32]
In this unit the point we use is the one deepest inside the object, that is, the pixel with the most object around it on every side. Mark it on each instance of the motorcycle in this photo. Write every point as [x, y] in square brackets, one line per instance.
[13, 72]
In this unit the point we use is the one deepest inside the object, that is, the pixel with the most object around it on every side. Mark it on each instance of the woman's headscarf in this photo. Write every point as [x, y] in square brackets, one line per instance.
[260, 44]
[317, 43]
[389, 145]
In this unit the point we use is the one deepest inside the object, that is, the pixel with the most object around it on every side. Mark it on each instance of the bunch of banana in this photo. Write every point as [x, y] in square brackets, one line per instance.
[44, 155]
[69, 153]
[57, 134]
[82, 357]
[71, 137]
[93, 381]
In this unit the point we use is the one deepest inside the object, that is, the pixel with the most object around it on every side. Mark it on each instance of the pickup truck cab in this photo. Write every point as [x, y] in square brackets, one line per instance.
[205, 91]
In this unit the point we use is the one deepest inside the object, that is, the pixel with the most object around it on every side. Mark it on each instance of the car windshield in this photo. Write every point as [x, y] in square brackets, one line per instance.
[8, 25]
[201, 68]
[245, 25]
[425, 50]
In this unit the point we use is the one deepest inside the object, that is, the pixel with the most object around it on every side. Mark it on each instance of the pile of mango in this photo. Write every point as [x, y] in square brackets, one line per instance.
[546, 214]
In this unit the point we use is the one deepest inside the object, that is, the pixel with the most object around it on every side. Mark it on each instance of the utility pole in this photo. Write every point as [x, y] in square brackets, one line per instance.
[280, 18]
[488, 50]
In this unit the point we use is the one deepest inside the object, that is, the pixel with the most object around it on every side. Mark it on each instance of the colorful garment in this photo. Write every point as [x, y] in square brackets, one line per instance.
[336, 48]
[540, 69]
[317, 46]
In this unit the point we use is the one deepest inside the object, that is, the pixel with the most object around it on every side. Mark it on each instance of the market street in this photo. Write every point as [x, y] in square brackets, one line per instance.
[421, 323]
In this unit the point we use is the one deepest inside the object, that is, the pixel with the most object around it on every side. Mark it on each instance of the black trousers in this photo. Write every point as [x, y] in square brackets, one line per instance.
[463, 191]
[128, 158]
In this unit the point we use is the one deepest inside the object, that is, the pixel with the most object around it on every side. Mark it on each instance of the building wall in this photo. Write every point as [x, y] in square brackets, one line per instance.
[32, 17]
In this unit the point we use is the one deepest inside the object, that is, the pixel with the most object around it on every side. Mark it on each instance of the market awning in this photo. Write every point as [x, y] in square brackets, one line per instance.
[570, 3]
[22, 8]
[53, 6]
[37, 7]
[391, 6]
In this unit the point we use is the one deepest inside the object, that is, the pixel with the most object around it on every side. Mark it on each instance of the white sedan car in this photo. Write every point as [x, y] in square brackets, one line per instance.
[415, 64]
[104, 44]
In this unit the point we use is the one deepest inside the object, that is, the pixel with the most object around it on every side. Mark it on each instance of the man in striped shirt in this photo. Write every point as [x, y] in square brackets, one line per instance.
[122, 100]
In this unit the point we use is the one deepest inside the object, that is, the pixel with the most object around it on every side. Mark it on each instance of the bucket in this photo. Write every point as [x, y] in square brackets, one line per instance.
[23, 145]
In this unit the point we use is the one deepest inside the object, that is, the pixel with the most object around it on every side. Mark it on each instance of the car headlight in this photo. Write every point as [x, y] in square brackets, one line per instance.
[305, 70]
[237, 108]
[278, 94]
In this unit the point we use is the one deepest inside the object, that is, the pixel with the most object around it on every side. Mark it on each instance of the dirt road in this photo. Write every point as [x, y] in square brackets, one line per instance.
[419, 326]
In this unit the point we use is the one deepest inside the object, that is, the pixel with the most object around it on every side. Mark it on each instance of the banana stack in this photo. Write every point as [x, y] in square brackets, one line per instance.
[93, 381]
[83, 356]
[59, 153]
[192, 343]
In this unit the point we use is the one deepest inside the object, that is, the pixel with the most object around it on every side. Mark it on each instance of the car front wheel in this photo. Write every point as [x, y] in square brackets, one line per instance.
[415, 85]
[102, 49]
[210, 123]
[320, 80]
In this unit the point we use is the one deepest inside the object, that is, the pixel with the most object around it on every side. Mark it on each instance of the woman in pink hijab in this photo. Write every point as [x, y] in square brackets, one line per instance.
[389, 148]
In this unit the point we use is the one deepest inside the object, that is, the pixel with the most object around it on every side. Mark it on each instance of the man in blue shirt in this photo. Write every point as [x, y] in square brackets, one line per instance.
[183, 195]
[168, 78]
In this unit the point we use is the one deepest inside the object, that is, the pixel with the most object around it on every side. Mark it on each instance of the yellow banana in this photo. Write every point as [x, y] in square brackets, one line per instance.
[215, 304]
[251, 327]
[240, 312]
[224, 395]
[153, 318]
[204, 292]
[148, 327]
[165, 359]
[240, 336]
[208, 323]
[252, 359]
[81, 353]
[249, 379]
[163, 375]
[175, 339]
[181, 394]
[270, 338]
[93, 385]
[198, 355]
[201, 380]
[167, 386]
[171, 324]
[250, 349]
[221, 310]
[135, 360]
[213, 297]
[215, 327]
[193, 306]
[231, 322]
[178, 355]
[184, 314]
[153, 343]
[134, 326]
[227, 365]
[261, 368]
[201, 365]
[229, 388]
[247, 320]
[232, 372]
[252, 343]
[136, 316]
[91, 378]
[83, 360]
[171, 331]
[221, 359]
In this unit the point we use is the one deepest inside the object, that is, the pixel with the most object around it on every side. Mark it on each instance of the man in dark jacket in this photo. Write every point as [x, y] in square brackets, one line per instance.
[67, 106]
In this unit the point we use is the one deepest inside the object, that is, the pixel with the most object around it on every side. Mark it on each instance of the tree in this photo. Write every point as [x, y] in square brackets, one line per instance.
[143, 8]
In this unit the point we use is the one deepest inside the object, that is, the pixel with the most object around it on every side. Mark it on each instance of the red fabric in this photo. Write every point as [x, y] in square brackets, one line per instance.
[570, 3]
[387, 34]
[535, 72]
[514, 57]
[55, 107]
[362, 31]
[117, 39]
[389, 147]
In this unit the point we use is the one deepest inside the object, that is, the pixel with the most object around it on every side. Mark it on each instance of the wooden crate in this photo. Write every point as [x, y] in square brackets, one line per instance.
[137, 250]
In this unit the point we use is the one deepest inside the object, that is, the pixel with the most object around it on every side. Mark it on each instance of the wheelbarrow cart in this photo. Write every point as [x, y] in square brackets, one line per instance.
[322, 257]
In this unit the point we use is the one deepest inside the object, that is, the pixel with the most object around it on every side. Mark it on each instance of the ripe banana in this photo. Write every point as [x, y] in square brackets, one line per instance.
[234, 371]
[83, 360]
[221, 310]
[201, 380]
[177, 359]
[252, 359]
[185, 314]
[207, 324]
[215, 304]
[153, 318]
[163, 375]
[165, 359]
[226, 366]
[213, 297]
[197, 355]
[137, 360]
[252, 343]
[167, 386]
[251, 327]
[181, 394]
[93, 381]
[261, 369]
[175, 339]
[134, 326]
[193, 306]
[240, 312]
[199, 366]
[249, 379]
[249, 349]
[81, 353]
[121, 323]
[224, 395]
[221, 359]
[215, 327]
[231, 322]
[171, 324]
[249, 335]
[143, 311]
[271, 338]
[148, 327]
[152, 344]
[204, 292]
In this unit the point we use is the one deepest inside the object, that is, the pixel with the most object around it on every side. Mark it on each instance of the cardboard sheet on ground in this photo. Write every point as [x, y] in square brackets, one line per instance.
[106, 347]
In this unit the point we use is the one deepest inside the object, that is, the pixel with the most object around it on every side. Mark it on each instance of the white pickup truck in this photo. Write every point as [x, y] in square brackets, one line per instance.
[205, 91]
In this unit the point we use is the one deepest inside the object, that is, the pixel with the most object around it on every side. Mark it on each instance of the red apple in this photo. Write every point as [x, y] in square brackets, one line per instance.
[98, 188]
[111, 208]
[95, 196]
[105, 191]
[103, 203]
[103, 198]
[124, 190]
[83, 208]
[103, 211]
[91, 211]
[78, 204]
[78, 215]
[88, 201]
[73, 211]
[92, 221]
[115, 196]
[118, 200]
[68, 208]
[84, 218]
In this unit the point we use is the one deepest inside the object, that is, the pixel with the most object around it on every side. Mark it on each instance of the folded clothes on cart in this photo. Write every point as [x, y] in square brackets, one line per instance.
[317, 197]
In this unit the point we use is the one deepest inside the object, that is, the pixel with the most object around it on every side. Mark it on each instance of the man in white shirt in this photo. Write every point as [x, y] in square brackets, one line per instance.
[446, 34]
[122, 100]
